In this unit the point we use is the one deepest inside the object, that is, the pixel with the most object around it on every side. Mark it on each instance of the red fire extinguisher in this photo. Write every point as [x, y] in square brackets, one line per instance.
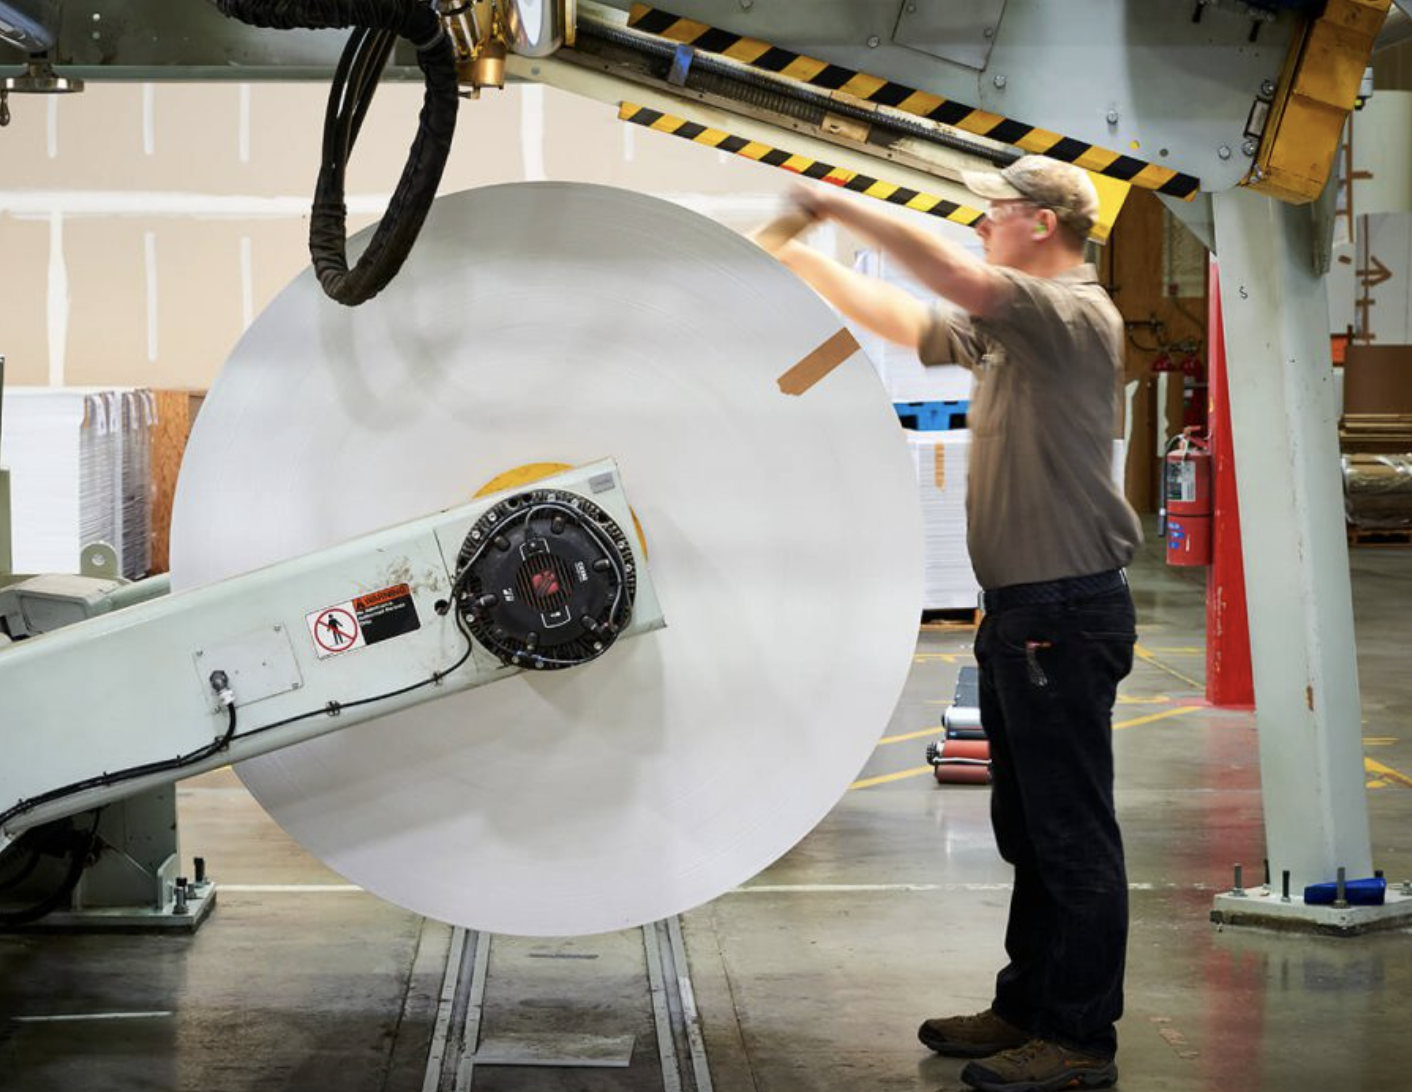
[1185, 518]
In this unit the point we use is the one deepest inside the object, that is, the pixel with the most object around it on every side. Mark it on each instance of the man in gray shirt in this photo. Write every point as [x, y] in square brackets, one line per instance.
[1048, 534]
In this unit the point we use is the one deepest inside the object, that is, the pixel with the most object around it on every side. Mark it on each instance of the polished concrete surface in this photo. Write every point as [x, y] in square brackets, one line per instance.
[815, 974]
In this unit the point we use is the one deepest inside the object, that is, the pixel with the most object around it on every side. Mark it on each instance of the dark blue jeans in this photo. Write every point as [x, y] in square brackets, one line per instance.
[1049, 675]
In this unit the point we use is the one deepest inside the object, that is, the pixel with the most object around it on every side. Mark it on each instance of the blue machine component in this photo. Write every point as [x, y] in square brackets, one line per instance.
[932, 416]
[1370, 892]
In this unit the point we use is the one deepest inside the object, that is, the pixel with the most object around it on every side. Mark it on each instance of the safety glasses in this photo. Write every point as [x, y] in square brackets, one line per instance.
[997, 212]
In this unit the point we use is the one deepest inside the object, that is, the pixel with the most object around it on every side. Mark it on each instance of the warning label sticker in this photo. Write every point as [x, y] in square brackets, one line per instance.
[377, 616]
[1181, 482]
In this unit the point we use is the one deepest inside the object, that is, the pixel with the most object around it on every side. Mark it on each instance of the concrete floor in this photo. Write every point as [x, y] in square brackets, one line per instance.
[800, 988]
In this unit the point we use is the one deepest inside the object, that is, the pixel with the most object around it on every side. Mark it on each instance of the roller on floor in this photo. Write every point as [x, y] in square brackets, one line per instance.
[960, 761]
[962, 755]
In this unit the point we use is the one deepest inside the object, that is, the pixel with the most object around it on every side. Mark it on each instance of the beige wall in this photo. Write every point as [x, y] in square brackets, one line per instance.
[143, 225]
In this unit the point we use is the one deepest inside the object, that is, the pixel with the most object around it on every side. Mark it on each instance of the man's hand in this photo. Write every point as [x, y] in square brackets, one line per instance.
[775, 235]
[939, 265]
[820, 202]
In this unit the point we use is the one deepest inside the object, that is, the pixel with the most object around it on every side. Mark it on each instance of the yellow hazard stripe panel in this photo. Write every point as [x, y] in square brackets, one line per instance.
[799, 164]
[832, 77]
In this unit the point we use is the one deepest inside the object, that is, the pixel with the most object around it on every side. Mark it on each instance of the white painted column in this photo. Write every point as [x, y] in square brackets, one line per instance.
[1284, 425]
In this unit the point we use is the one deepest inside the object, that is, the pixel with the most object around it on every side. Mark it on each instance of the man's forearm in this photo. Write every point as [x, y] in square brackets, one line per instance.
[940, 266]
[885, 309]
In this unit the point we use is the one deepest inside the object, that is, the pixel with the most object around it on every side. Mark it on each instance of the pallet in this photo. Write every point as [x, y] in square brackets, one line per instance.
[953, 618]
[1380, 536]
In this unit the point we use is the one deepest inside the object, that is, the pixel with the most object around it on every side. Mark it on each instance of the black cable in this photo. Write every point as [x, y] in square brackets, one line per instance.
[332, 709]
[24, 873]
[336, 708]
[377, 24]
[103, 780]
[366, 78]
[80, 852]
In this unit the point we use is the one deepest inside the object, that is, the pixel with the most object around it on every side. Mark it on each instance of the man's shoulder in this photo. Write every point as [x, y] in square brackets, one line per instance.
[1067, 293]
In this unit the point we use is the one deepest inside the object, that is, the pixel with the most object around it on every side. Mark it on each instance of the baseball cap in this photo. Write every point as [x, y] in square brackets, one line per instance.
[1061, 187]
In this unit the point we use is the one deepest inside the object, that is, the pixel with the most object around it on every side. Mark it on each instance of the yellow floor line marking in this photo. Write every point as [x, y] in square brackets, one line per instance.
[939, 657]
[1178, 712]
[1387, 773]
[1146, 656]
[1178, 651]
[869, 782]
[1378, 741]
[1161, 699]
[935, 732]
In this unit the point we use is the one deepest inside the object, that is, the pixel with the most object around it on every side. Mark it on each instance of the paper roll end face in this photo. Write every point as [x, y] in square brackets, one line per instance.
[475, 788]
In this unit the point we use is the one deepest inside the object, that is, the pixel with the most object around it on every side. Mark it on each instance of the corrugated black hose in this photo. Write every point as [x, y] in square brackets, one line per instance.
[60, 838]
[377, 25]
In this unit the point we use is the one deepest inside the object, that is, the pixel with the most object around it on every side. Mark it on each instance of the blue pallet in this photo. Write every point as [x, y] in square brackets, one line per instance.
[932, 416]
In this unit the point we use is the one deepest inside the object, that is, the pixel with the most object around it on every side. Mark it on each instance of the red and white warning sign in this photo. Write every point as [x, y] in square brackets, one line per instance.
[335, 630]
[363, 621]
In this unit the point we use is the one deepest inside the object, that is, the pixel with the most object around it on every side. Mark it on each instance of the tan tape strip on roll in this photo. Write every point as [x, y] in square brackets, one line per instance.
[819, 363]
[940, 465]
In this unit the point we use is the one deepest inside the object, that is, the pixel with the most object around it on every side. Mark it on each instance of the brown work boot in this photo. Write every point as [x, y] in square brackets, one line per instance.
[1040, 1066]
[977, 1036]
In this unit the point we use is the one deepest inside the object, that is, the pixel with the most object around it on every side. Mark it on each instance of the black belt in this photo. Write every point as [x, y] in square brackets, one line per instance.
[1069, 589]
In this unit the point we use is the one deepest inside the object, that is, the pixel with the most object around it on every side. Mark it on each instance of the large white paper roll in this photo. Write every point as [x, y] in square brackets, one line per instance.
[565, 323]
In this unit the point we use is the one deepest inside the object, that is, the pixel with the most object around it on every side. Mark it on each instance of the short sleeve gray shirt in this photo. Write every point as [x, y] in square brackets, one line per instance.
[1041, 503]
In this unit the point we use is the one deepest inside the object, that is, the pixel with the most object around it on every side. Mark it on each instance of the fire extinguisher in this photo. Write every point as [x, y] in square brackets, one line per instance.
[1185, 516]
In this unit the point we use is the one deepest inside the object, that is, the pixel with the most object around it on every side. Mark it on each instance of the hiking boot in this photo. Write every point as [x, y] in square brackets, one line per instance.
[1040, 1066]
[977, 1036]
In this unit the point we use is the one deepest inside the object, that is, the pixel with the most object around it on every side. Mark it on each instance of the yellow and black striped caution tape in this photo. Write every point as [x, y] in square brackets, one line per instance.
[832, 77]
[801, 165]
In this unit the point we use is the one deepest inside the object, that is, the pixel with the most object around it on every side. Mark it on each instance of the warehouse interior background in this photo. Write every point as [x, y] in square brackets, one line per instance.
[145, 226]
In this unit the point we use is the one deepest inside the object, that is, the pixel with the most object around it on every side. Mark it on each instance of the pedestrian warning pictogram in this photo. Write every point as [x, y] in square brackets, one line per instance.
[335, 630]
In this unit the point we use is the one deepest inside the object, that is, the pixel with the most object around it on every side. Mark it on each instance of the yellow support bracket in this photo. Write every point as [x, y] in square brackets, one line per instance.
[1317, 90]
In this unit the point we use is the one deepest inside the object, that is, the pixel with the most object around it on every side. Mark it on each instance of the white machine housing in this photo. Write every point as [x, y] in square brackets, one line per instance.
[134, 687]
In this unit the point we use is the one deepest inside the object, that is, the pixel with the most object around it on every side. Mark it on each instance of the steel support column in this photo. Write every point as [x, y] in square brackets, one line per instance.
[1283, 411]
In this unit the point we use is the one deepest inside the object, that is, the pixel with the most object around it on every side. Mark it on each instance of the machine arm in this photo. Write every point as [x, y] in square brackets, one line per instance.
[535, 580]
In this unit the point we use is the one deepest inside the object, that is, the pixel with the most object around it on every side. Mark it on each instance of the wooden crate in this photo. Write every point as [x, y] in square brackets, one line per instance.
[176, 411]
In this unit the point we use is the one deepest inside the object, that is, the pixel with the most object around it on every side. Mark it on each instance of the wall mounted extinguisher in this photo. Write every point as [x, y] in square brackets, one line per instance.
[1185, 516]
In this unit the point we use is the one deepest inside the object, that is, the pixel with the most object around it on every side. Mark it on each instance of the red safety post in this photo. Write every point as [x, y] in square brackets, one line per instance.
[1229, 680]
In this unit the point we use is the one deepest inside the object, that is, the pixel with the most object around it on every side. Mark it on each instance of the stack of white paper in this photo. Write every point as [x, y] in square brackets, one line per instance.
[98, 460]
[78, 475]
[138, 415]
[942, 460]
